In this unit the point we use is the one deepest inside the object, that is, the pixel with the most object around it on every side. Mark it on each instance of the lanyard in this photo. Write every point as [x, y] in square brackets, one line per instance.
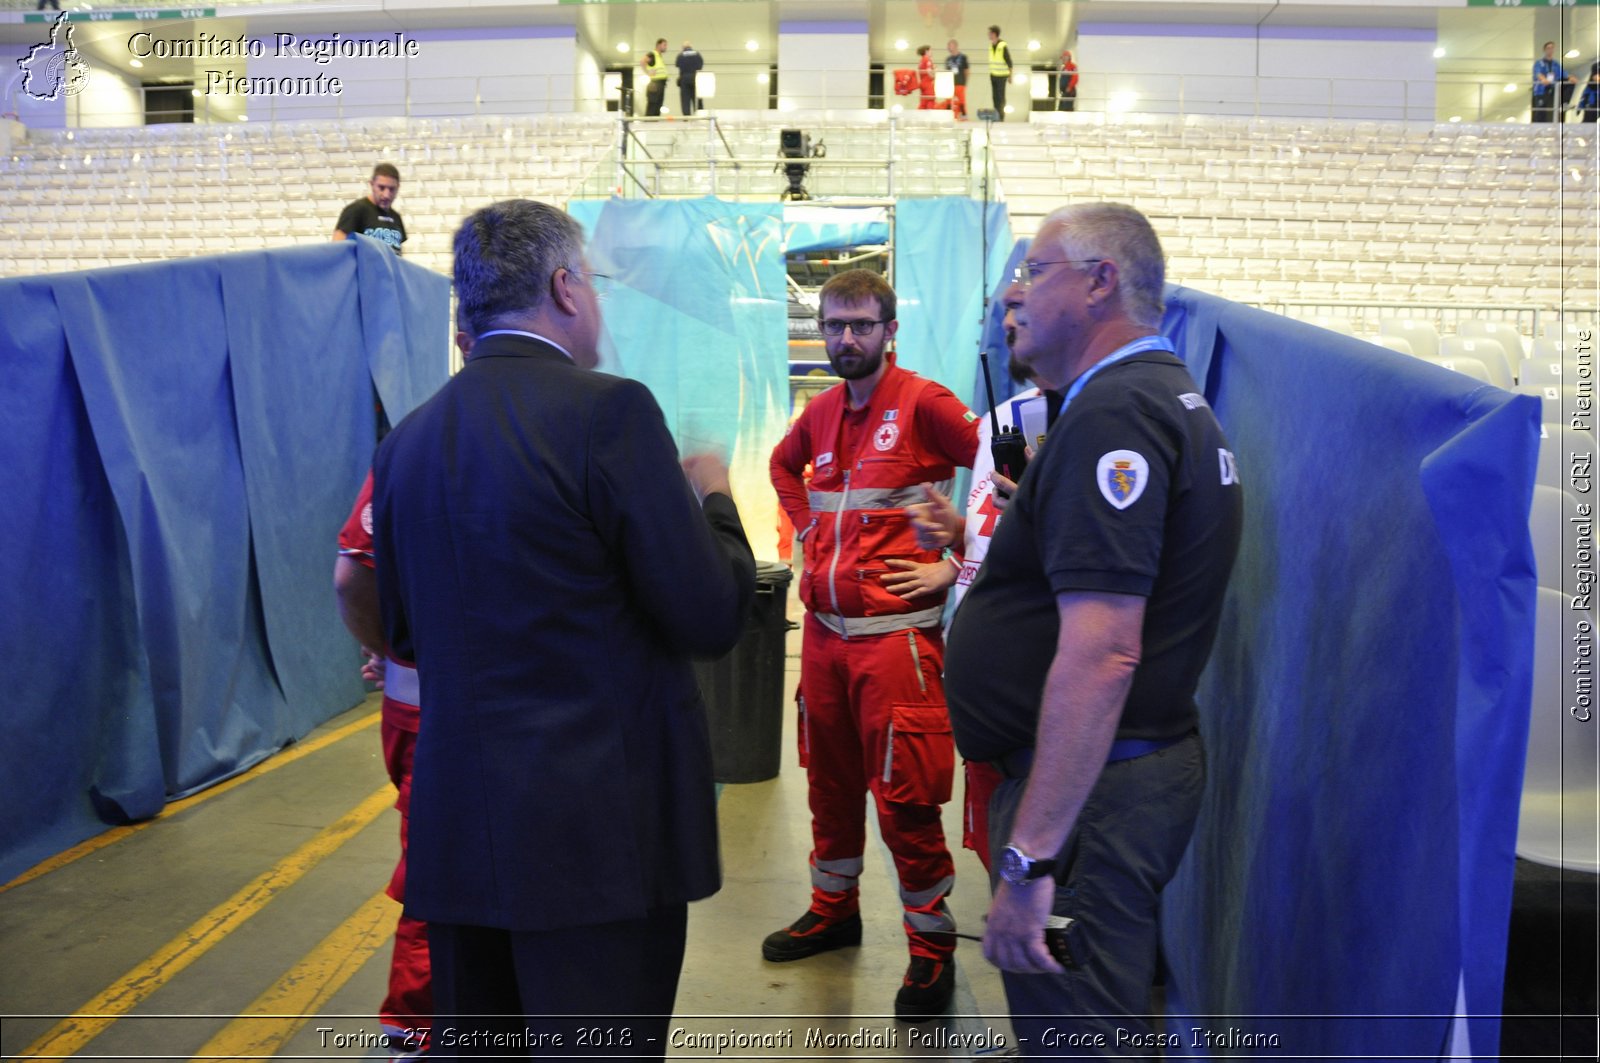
[1148, 343]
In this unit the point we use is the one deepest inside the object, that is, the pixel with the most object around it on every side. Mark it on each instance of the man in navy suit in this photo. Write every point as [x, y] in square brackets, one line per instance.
[551, 571]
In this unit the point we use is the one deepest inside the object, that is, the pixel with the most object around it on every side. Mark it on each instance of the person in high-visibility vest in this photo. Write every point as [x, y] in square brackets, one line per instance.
[999, 70]
[654, 64]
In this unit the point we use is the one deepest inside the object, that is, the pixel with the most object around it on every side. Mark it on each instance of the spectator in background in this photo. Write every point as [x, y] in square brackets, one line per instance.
[374, 214]
[999, 70]
[654, 65]
[690, 63]
[1589, 102]
[1552, 86]
[925, 77]
[957, 64]
[1067, 83]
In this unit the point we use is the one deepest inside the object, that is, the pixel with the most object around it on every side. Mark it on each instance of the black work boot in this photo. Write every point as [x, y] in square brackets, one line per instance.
[809, 935]
[927, 989]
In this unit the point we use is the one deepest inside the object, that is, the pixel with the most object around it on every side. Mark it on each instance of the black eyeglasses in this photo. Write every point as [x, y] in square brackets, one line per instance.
[835, 327]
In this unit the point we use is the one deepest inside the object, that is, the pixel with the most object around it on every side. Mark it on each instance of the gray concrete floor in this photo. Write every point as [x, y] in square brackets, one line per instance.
[131, 917]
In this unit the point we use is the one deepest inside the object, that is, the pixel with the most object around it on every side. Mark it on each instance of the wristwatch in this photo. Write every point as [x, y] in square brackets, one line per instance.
[1018, 868]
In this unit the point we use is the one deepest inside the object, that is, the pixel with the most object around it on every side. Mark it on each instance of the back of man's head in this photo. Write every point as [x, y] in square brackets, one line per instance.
[1117, 232]
[505, 255]
[856, 285]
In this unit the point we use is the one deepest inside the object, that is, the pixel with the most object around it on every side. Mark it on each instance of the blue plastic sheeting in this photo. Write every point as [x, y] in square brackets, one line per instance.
[183, 441]
[818, 228]
[699, 314]
[938, 253]
[993, 342]
[1366, 709]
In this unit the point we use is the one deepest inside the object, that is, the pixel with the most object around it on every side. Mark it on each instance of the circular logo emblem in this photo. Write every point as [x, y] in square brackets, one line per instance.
[67, 71]
[887, 435]
[366, 518]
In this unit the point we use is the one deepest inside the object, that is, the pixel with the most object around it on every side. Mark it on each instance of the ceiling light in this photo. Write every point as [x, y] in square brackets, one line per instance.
[194, 92]
[763, 78]
[1573, 54]
[244, 118]
[1510, 86]
[901, 45]
[1033, 46]
[751, 46]
[137, 64]
[622, 46]
[1455, 118]
[1438, 53]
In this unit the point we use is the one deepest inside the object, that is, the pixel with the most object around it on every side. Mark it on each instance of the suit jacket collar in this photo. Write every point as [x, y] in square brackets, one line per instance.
[518, 346]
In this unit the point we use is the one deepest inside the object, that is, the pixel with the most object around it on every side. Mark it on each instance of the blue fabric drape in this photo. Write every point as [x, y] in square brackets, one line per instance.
[1366, 708]
[940, 278]
[187, 437]
[698, 314]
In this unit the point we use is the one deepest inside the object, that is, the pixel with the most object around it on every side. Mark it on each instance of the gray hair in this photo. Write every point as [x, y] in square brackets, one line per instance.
[1117, 232]
[505, 255]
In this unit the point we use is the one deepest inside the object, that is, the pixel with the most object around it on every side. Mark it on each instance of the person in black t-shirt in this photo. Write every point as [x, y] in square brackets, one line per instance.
[1074, 658]
[374, 214]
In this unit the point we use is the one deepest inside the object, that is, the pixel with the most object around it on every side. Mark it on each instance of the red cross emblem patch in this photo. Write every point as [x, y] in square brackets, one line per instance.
[887, 435]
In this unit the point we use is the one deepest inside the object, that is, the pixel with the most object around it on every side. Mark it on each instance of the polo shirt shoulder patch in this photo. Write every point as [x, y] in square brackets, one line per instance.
[1121, 476]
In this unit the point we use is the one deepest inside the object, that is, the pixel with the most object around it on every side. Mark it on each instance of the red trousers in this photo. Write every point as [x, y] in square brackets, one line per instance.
[409, 1005]
[874, 721]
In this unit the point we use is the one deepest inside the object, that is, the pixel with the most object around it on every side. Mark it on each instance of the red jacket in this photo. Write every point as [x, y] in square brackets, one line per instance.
[868, 465]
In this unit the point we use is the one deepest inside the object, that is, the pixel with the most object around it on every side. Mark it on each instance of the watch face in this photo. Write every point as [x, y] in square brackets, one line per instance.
[1013, 865]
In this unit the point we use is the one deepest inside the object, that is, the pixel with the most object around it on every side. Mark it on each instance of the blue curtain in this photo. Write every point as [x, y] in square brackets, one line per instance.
[1366, 709]
[183, 442]
[940, 276]
[698, 313]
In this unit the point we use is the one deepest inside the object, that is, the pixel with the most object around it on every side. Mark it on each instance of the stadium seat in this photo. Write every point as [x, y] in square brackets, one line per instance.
[1484, 349]
[1465, 366]
[1422, 336]
[1394, 343]
[1512, 340]
[1565, 456]
[1552, 533]
[1557, 821]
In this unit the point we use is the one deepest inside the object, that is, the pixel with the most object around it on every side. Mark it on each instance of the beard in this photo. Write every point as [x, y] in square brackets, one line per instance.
[860, 364]
[1022, 374]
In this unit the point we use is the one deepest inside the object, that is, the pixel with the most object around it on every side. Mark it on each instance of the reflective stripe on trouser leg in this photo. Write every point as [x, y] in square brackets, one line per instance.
[926, 911]
[835, 891]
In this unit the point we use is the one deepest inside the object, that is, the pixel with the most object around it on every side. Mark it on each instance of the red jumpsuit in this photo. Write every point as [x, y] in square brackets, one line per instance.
[873, 712]
[409, 1005]
[925, 83]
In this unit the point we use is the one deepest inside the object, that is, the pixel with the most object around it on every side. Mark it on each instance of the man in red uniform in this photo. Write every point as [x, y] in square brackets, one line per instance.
[873, 712]
[407, 1011]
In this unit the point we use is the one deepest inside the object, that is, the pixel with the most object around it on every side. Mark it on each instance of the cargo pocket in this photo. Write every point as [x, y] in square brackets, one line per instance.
[919, 758]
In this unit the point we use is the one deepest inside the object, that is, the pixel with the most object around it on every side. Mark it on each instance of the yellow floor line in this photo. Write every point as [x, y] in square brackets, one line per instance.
[263, 1028]
[71, 1034]
[116, 834]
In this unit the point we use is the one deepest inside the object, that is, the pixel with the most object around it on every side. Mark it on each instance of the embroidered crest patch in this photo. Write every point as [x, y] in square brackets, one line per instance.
[887, 435]
[1121, 476]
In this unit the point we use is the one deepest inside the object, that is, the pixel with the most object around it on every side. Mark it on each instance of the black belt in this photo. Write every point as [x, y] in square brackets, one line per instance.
[1017, 763]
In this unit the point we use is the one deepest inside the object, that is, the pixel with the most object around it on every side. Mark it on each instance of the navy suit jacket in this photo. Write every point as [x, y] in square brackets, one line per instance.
[543, 560]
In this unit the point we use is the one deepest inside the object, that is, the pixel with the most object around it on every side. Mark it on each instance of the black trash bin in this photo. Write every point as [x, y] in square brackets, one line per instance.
[744, 690]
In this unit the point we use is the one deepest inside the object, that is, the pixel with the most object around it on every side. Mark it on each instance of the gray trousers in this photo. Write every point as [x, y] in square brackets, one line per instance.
[1124, 849]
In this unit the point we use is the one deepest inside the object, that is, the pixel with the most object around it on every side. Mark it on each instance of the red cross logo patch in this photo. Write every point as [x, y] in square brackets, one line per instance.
[887, 435]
